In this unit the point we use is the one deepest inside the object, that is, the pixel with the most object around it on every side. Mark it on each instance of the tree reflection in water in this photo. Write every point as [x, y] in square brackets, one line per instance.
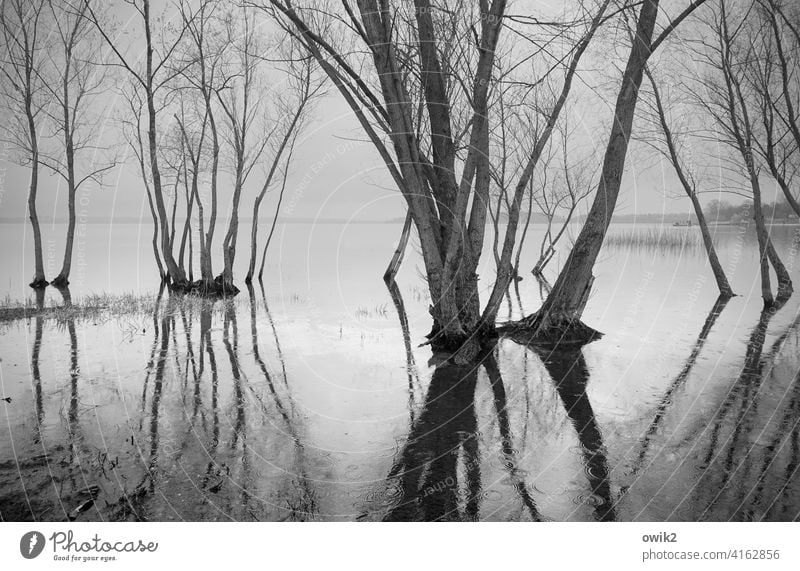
[438, 471]
[746, 443]
[568, 371]
[204, 423]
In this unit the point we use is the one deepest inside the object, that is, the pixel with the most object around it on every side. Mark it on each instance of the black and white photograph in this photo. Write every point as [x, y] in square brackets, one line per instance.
[354, 262]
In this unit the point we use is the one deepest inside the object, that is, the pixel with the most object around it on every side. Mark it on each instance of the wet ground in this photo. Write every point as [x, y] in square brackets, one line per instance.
[312, 400]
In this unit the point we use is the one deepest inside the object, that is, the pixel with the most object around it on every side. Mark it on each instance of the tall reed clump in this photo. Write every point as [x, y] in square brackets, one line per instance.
[666, 240]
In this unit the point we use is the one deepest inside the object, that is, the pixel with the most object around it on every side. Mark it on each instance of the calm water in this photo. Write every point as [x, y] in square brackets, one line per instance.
[312, 400]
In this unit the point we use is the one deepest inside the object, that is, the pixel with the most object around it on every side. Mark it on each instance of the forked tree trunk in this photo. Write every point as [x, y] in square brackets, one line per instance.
[175, 272]
[563, 308]
[206, 285]
[742, 130]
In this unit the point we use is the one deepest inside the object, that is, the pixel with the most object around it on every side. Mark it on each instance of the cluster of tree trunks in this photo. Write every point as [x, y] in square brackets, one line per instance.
[429, 110]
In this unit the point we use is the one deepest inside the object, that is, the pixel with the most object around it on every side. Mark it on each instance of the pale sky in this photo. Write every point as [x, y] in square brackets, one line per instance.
[336, 174]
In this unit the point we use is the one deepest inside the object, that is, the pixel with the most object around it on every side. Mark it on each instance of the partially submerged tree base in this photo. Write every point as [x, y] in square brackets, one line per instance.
[39, 283]
[205, 288]
[224, 287]
[462, 348]
[549, 332]
[60, 281]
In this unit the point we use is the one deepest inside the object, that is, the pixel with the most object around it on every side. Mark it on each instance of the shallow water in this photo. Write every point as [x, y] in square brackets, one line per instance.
[312, 400]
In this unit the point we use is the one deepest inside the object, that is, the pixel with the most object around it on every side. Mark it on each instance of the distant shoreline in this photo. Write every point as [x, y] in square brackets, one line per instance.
[666, 220]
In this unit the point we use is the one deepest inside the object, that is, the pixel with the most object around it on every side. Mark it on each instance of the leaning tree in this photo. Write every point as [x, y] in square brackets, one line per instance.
[559, 318]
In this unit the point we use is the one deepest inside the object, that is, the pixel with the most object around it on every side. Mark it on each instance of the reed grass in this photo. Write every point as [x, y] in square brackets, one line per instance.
[670, 240]
[101, 306]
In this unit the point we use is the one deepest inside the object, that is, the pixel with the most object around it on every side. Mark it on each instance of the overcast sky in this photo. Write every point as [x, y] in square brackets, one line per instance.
[336, 175]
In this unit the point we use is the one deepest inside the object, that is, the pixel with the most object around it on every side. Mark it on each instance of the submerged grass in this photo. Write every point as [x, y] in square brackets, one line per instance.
[379, 311]
[94, 306]
[665, 240]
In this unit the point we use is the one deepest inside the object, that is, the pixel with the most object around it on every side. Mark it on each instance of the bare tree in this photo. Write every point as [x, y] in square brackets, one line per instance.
[726, 99]
[23, 26]
[559, 316]
[292, 108]
[201, 68]
[151, 80]
[774, 74]
[422, 96]
[671, 150]
[74, 80]
[242, 108]
[182, 155]
[505, 270]
[284, 178]
[784, 27]
[567, 187]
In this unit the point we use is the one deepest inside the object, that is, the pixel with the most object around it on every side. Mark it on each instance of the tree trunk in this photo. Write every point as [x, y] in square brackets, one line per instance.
[176, 273]
[187, 227]
[62, 279]
[525, 227]
[229, 243]
[397, 257]
[785, 288]
[719, 274]
[285, 142]
[742, 130]
[154, 215]
[725, 289]
[274, 218]
[212, 221]
[39, 280]
[562, 309]
[763, 238]
[206, 275]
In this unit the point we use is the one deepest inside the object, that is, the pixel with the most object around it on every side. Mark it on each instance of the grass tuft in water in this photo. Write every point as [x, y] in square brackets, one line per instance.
[665, 240]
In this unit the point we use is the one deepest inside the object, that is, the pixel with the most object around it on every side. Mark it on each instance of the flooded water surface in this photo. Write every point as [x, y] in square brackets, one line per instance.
[312, 398]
